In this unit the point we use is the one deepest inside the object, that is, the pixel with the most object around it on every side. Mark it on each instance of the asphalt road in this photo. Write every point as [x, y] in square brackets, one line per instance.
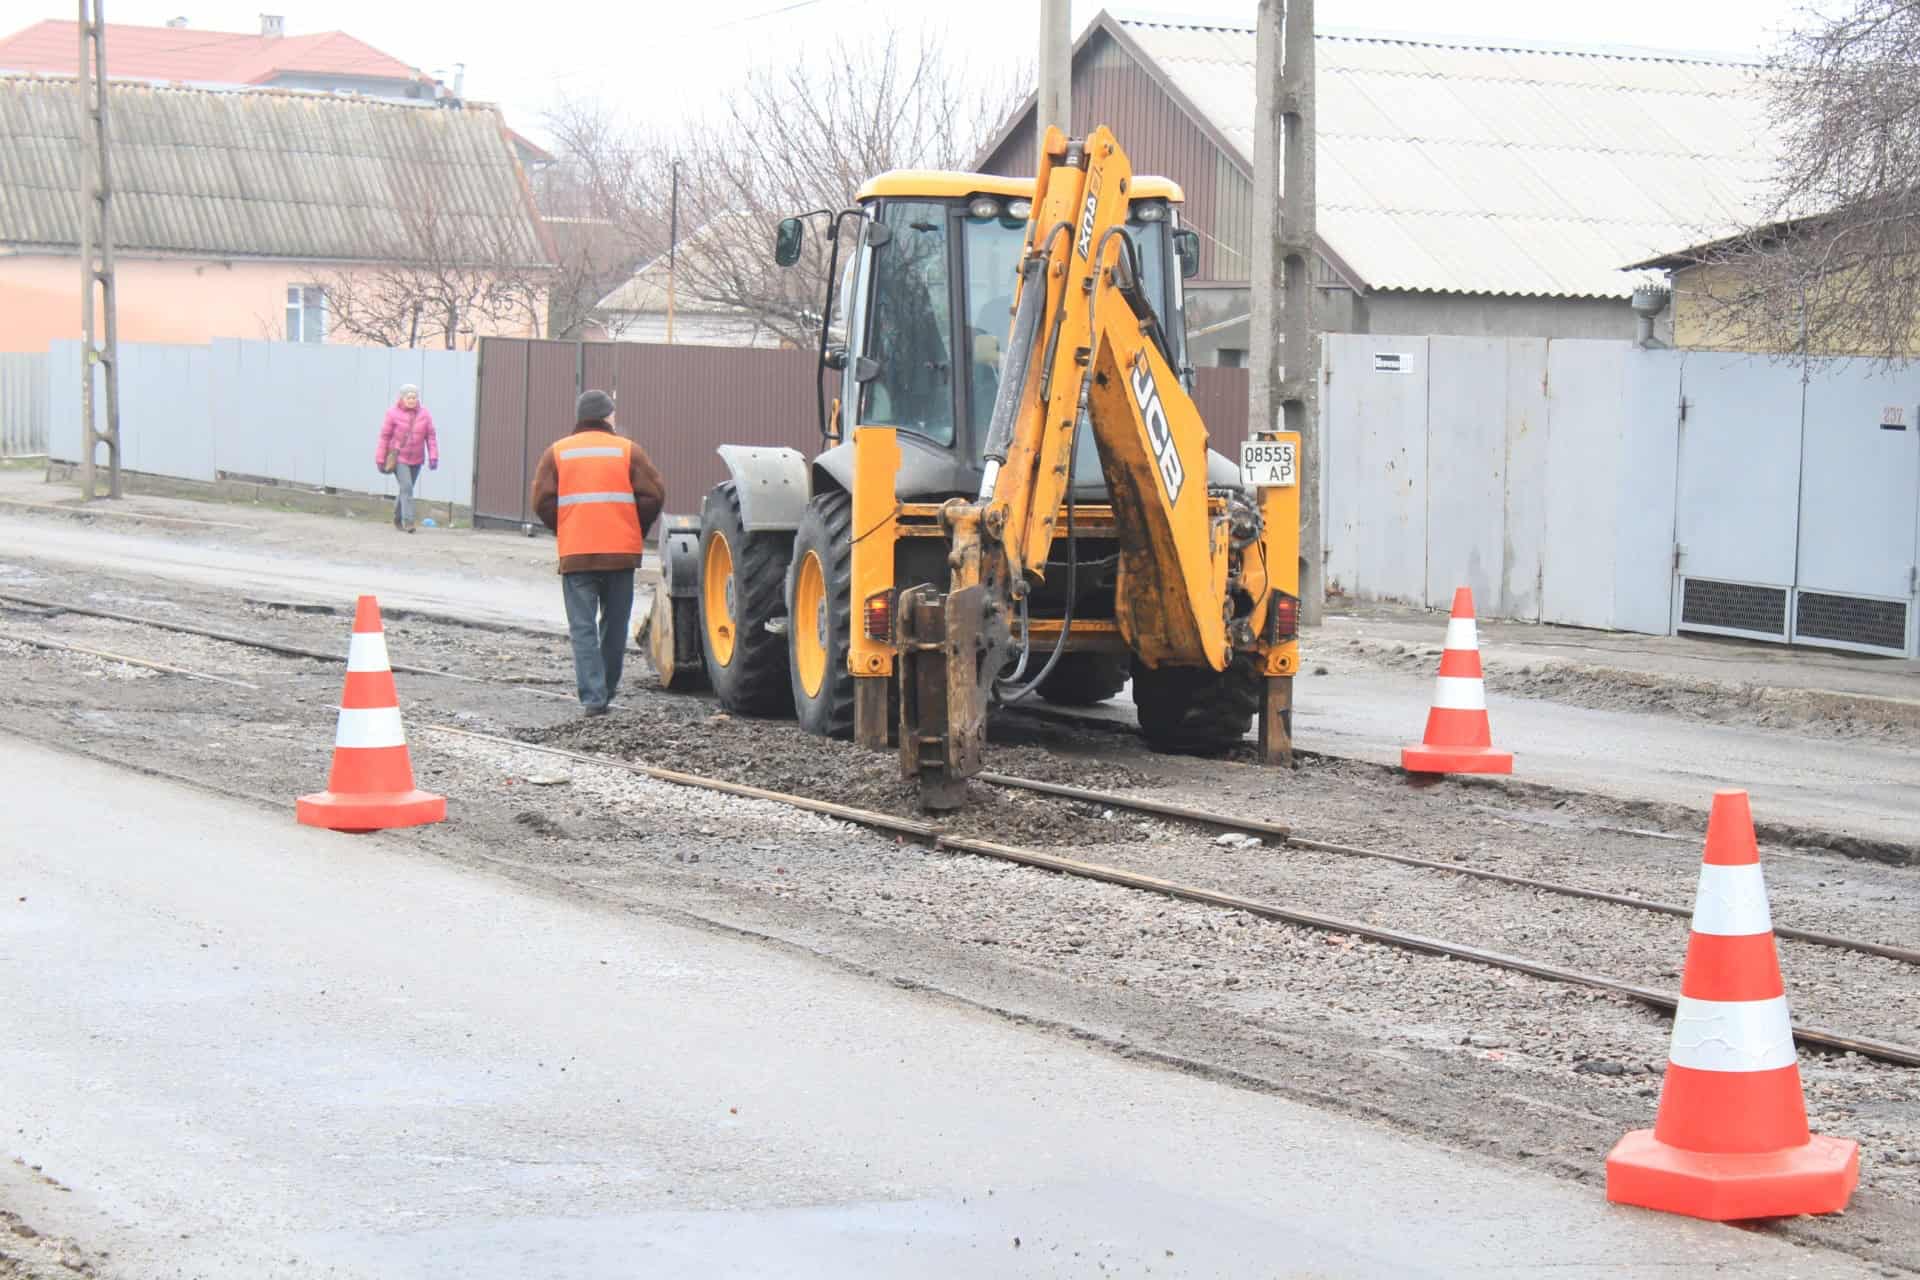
[235, 1047]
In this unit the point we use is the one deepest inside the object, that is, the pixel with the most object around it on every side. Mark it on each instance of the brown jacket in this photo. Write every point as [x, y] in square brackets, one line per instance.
[649, 495]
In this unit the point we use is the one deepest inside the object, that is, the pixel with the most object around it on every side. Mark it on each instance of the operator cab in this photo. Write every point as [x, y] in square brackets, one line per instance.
[921, 310]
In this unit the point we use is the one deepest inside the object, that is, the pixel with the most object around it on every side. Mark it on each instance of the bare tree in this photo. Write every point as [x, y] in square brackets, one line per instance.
[1834, 265]
[438, 277]
[795, 136]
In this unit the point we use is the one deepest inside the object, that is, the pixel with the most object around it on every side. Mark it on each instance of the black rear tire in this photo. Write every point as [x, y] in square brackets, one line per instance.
[1194, 711]
[753, 679]
[1083, 679]
[826, 531]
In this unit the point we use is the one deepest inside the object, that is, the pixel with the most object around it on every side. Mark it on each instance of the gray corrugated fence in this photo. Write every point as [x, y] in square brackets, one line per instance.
[23, 404]
[298, 413]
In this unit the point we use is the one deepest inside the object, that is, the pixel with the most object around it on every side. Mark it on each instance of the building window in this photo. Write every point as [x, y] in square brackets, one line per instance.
[306, 313]
[1231, 358]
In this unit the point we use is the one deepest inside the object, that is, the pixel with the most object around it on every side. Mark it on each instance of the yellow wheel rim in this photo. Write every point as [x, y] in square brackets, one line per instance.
[809, 623]
[716, 580]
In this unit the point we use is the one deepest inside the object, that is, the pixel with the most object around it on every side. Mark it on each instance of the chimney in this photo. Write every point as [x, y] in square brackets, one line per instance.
[273, 24]
[460, 80]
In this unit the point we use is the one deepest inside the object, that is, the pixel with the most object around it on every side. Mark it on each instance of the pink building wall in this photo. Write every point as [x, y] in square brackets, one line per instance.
[160, 300]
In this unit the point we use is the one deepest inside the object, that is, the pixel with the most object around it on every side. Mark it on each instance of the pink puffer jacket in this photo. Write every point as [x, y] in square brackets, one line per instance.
[411, 432]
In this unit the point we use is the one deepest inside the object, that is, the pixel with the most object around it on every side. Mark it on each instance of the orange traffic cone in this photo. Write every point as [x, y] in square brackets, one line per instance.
[371, 786]
[1459, 737]
[1730, 1140]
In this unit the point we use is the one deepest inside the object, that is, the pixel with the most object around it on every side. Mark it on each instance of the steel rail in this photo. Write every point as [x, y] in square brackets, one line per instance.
[1254, 826]
[259, 642]
[931, 835]
[1158, 808]
[60, 646]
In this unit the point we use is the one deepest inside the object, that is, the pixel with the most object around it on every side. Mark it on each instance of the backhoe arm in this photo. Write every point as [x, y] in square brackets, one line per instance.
[1088, 348]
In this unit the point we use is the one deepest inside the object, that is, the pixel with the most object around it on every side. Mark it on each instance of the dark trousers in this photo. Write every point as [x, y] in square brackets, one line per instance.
[599, 604]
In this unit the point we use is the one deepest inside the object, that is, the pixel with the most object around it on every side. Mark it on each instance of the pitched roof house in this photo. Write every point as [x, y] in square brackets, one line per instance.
[1467, 187]
[231, 208]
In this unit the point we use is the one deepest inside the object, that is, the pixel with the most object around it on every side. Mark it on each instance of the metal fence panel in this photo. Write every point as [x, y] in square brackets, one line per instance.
[1523, 548]
[23, 403]
[1858, 496]
[1644, 513]
[1466, 467]
[499, 449]
[1374, 432]
[1737, 495]
[1585, 399]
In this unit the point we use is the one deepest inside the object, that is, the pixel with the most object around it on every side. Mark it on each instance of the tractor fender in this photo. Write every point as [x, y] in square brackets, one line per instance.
[771, 484]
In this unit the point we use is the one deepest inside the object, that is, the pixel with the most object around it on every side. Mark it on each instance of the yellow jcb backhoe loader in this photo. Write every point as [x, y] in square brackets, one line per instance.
[1017, 495]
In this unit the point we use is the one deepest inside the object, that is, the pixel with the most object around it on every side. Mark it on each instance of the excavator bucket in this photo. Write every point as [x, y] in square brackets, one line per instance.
[669, 634]
[943, 696]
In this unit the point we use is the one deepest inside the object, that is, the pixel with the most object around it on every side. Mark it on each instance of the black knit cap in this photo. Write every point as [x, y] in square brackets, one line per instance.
[592, 406]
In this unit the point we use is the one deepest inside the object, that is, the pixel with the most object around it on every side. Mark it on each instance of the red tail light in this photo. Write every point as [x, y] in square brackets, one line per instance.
[879, 617]
[1283, 619]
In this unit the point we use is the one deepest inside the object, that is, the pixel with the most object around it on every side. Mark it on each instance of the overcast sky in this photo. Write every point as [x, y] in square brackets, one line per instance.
[659, 60]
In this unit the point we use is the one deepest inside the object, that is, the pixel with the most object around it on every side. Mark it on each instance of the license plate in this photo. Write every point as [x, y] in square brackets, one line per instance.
[1269, 464]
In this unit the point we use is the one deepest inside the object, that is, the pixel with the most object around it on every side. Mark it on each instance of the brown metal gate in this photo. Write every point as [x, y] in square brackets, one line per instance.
[680, 403]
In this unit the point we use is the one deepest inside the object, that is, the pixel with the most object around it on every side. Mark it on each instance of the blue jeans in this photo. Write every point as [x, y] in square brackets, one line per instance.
[403, 501]
[599, 604]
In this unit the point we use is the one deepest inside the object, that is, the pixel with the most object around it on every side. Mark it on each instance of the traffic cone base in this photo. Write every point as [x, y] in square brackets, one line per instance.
[357, 815]
[371, 785]
[1425, 759]
[1459, 738]
[1817, 1177]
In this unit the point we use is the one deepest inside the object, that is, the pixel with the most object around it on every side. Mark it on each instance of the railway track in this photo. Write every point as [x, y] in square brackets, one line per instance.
[931, 835]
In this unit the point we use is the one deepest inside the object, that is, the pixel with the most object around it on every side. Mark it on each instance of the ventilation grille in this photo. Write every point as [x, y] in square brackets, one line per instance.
[1876, 624]
[1734, 606]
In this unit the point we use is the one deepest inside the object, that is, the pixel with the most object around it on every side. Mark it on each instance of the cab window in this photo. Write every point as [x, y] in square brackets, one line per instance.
[910, 325]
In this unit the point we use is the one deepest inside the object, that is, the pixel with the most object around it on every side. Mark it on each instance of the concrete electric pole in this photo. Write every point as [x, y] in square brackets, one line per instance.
[1284, 386]
[96, 257]
[1054, 104]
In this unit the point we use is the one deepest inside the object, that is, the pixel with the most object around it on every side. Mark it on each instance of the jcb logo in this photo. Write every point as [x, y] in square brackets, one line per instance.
[1146, 397]
[1083, 244]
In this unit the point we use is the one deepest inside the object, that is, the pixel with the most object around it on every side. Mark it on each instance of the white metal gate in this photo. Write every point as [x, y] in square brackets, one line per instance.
[1798, 503]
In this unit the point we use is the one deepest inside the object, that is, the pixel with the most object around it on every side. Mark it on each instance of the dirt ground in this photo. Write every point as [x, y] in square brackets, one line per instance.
[1536, 1073]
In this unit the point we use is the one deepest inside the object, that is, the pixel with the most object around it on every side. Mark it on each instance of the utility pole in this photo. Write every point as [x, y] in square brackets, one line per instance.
[1285, 383]
[1054, 103]
[673, 242]
[96, 256]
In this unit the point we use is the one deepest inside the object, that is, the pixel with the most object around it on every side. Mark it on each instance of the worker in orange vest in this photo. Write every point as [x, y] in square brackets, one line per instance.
[600, 493]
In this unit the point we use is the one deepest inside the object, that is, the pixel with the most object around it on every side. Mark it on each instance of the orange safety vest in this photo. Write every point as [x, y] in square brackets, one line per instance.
[597, 515]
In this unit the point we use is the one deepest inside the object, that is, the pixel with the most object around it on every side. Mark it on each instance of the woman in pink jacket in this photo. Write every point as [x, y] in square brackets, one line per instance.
[407, 437]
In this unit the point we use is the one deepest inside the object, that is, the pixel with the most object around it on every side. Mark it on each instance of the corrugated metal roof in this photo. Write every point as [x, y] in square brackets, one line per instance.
[205, 57]
[266, 173]
[1465, 167]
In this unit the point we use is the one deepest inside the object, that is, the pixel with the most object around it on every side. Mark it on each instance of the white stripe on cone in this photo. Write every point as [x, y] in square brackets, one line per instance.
[1460, 693]
[369, 727]
[1732, 1035]
[367, 651]
[1731, 902]
[1461, 634]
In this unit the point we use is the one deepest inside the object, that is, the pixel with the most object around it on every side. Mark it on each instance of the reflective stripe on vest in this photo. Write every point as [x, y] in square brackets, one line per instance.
[596, 512]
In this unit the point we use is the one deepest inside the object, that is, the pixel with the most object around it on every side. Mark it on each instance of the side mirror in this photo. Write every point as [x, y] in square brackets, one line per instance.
[1186, 246]
[786, 241]
[865, 369]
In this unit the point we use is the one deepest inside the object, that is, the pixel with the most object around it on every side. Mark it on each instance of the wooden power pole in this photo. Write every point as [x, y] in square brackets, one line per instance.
[1285, 382]
[96, 258]
[1054, 103]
